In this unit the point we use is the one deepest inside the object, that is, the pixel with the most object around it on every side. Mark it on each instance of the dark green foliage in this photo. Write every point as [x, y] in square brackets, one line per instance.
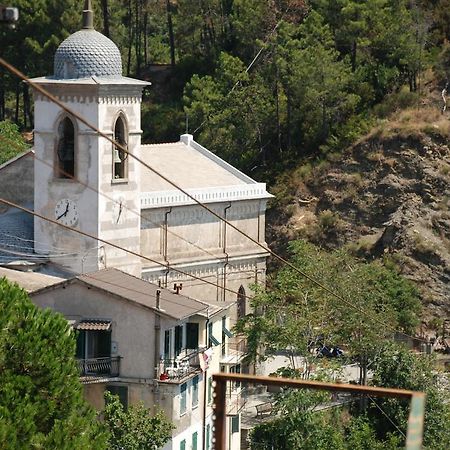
[299, 426]
[297, 311]
[399, 368]
[11, 141]
[262, 82]
[135, 428]
[41, 401]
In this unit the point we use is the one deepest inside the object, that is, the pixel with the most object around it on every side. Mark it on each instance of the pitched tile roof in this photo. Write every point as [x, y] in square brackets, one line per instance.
[143, 293]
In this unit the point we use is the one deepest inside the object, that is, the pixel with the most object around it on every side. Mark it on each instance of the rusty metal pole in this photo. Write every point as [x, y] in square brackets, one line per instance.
[219, 424]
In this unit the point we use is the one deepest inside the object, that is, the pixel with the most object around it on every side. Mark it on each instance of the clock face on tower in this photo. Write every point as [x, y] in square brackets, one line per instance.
[66, 212]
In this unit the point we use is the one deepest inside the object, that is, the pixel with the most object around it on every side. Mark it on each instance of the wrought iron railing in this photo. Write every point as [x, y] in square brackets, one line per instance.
[185, 364]
[99, 366]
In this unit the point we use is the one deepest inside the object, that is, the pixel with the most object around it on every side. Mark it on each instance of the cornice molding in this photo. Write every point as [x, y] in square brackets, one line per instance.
[161, 199]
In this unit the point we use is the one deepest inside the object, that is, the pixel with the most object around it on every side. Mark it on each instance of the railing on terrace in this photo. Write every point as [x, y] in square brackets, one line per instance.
[414, 434]
[234, 349]
[99, 366]
[185, 364]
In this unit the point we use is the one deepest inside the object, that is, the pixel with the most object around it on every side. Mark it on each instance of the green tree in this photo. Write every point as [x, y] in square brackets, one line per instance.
[397, 367]
[301, 425]
[41, 400]
[11, 141]
[135, 428]
[297, 314]
[233, 111]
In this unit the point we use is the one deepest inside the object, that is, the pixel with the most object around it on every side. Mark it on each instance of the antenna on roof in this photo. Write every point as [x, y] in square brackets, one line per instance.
[187, 124]
[88, 16]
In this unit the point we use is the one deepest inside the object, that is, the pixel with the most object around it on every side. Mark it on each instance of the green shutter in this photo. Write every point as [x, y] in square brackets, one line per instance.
[235, 424]
[183, 445]
[194, 441]
[208, 437]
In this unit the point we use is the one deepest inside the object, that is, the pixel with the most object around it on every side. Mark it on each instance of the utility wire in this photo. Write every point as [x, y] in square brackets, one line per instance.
[111, 244]
[93, 189]
[387, 417]
[44, 92]
[252, 63]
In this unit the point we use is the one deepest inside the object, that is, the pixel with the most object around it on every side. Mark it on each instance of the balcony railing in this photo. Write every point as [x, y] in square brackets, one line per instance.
[99, 366]
[185, 364]
[234, 350]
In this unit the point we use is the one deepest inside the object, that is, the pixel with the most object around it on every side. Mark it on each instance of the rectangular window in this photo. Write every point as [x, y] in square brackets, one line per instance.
[178, 339]
[235, 369]
[183, 444]
[195, 391]
[183, 403]
[194, 441]
[224, 320]
[121, 392]
[167, 344]
[192, 335]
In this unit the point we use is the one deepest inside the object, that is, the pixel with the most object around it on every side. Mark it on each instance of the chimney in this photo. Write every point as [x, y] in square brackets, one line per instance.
[158, 299]
[186, 138]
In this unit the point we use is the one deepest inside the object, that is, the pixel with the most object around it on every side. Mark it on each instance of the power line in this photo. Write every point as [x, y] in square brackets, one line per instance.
[258, 54]
[111, 244]
[44, 92]
[387, 417]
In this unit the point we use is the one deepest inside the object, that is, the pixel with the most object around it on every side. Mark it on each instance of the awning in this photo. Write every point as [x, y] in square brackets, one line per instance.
[93, 325]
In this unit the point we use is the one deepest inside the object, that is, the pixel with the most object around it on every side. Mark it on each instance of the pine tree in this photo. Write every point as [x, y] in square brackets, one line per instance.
[41, 400]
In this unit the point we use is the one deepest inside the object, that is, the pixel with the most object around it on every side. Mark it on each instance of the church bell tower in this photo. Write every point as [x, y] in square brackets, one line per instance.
[83, 181]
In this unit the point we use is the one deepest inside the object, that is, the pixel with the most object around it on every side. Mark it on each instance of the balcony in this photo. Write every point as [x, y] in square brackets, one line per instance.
[234, 350]
[97, 368]
[176, 369]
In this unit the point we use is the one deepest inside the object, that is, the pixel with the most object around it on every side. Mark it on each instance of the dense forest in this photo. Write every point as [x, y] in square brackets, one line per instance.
[260, 82]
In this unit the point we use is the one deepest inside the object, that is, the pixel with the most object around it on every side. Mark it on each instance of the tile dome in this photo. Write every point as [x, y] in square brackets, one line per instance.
[87, 53]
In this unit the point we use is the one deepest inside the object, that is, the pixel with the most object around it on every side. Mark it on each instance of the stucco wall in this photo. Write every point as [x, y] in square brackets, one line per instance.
[93, 171]
[20, 169]
[133, 327]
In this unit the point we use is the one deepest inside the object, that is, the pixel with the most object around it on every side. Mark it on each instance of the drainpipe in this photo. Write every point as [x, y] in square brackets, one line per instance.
[165, 236]
[225, 251]
[205, 399]
[157, 332]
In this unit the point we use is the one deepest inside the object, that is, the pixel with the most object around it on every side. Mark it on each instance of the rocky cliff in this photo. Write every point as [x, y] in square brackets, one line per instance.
[386, 196]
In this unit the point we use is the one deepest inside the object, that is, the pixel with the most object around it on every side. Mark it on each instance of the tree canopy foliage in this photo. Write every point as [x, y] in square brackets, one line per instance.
[134, 428]
[41, 400]
[372, 301]
[11, 141]
[260, 82]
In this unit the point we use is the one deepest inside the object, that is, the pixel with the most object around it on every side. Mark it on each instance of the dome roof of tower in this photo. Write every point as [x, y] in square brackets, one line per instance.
[87, 53]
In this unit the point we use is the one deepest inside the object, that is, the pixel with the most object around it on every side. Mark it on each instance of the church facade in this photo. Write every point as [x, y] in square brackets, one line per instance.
[83, 181]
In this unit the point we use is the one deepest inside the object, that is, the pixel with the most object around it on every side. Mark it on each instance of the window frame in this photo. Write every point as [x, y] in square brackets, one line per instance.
[195, 391]
[58, 166]
[121, 118]
[183, 399]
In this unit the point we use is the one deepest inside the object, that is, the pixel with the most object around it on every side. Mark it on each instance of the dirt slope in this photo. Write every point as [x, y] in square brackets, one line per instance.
[387, 195]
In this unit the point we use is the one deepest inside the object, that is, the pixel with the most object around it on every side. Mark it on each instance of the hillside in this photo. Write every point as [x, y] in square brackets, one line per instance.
[388, 195]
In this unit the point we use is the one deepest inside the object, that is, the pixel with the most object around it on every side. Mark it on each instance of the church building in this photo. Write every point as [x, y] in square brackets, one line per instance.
[136, 263]
[83, 181]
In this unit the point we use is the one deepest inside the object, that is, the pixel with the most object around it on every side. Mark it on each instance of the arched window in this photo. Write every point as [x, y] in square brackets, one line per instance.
[241, 300]
[66, 149]
[119, 156]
